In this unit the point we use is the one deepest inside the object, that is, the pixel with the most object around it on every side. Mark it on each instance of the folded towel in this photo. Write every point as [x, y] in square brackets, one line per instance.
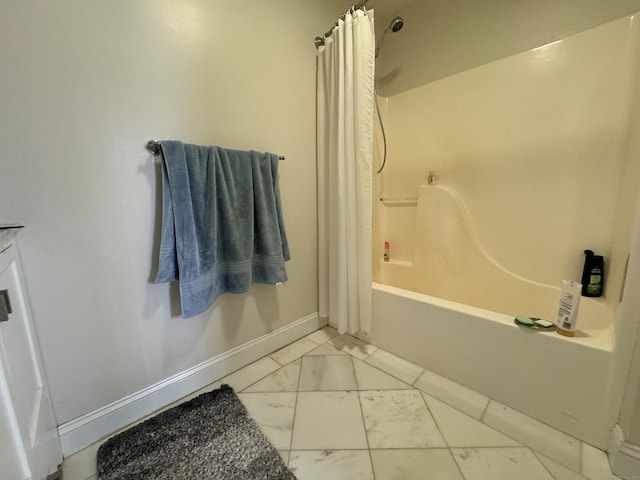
[222, 226]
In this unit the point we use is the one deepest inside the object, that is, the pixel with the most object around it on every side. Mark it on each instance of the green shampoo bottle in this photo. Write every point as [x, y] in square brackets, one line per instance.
[592, 275]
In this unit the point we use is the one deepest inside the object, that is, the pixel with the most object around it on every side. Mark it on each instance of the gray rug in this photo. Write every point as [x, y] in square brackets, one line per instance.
[209, 437]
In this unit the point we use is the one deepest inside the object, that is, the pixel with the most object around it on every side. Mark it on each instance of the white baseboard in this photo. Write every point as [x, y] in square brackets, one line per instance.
[624, 457]
[93, 426]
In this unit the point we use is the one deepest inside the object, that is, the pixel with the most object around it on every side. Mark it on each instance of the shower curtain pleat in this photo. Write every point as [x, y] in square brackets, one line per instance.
[346, 67]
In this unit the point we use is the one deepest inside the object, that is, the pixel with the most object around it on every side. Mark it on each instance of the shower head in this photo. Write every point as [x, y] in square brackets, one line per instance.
[394, 26]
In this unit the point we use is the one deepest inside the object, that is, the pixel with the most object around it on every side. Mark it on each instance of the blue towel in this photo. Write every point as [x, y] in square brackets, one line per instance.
[222, 225]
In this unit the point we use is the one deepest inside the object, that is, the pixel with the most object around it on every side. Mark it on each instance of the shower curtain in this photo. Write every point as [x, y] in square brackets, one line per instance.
[345, 102]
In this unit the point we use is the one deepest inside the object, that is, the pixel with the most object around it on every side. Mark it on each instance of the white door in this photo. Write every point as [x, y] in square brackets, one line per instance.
[30, 445]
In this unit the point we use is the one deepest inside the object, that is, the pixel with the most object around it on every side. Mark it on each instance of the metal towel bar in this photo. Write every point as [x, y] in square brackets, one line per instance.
[154, 147]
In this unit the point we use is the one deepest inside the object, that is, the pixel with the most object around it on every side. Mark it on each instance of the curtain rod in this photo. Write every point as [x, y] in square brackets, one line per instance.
[154, 147]
[320, 40]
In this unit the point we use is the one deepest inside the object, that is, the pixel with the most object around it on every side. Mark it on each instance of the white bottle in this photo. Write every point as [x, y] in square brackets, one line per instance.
[568, 309]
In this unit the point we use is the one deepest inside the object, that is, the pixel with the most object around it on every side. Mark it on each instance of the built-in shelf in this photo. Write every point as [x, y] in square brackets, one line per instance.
[401, 263]
[399, 201]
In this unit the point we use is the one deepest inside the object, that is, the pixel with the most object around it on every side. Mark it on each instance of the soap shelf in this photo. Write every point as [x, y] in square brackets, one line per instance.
[399, 201]
[400, 263]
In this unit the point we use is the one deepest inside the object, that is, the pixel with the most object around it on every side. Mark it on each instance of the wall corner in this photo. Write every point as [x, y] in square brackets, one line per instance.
[624, 457]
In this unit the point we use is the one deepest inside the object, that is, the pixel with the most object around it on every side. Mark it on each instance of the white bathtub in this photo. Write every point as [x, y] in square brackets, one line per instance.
[560, 381]
[438, 307]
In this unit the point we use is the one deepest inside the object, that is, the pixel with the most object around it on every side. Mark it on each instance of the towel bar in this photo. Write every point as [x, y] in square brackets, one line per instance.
[154, 147]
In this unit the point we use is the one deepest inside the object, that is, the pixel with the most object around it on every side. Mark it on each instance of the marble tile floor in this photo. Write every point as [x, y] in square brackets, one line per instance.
[338, 408]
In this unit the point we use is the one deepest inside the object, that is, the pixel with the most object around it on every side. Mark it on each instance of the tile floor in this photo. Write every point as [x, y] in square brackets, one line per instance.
[338, 408]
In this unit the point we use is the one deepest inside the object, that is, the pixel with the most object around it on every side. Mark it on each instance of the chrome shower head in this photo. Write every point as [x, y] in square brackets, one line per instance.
[394, 26]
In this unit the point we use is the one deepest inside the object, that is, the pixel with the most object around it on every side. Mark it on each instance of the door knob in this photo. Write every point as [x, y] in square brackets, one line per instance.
[5, 305]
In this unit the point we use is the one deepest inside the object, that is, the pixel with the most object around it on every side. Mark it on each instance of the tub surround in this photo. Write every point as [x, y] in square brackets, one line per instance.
[532, 156]
[450, 262]
[534, 145]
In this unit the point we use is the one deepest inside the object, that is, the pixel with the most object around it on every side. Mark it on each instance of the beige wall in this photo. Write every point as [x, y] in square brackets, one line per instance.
[84, 85]
[443, 37]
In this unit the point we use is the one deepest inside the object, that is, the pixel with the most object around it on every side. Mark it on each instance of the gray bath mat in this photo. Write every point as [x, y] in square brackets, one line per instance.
[209, 437]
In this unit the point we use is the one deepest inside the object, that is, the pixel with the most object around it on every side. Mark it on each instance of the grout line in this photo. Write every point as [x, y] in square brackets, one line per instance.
[433, 417]
[386, 373]
[455, 460]
[484, 411]
[543, 464]
[334, 449]
[412, 384]
[275, 360]
[500, 447]
[295, 410]
[448, 448]
[364, 423]
[395, 376]
[320, 329]
[258, 380]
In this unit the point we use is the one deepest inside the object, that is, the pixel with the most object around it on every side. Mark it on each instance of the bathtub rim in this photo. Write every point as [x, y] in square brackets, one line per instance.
[602, 339]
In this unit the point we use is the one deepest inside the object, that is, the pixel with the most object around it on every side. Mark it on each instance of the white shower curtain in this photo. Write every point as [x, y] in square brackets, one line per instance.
[346, 68]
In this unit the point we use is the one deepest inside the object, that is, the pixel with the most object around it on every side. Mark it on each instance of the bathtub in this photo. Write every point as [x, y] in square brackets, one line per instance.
[563, 382]
[424, 311]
